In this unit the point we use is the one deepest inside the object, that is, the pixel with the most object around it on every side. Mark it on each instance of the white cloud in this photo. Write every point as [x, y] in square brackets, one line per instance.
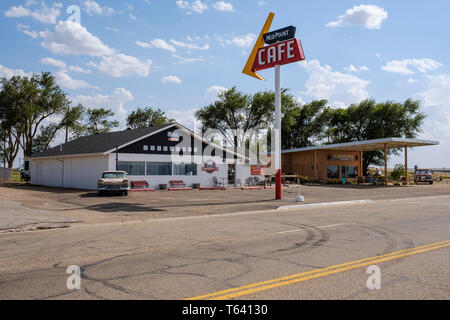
[182, 4]
[402, 66]
[215, 90]
[352, 68]
[184, 60]
[183, 117]
[25, 29]
[244, 41]
[438, 94]
[54, 62]
[120, 65]
[340, 89]
[261, 3]
[9, 73]
[66, 81]
[196, 6]
[114, 101]
[42, 13]
[92, 7]
[79, 69]
[189, 46]
[223, 6]
[157, 43]
[300, 101]
[71, 38]
[411, 80]
[368, 16]
[171, 79]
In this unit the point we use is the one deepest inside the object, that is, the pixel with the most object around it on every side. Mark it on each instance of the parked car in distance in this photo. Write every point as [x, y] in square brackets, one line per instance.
[113, 181]
[423, 175]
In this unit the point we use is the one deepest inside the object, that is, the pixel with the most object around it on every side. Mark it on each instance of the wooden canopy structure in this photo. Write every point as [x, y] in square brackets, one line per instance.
[373, 145]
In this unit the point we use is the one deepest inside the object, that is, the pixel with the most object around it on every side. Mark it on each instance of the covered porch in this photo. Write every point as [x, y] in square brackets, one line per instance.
[353, 154]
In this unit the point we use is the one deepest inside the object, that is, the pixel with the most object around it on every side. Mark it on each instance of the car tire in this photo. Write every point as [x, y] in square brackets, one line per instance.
[431, 182]
[101, 193]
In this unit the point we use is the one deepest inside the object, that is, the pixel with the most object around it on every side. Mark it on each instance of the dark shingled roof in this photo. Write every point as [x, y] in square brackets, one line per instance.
[99, 143]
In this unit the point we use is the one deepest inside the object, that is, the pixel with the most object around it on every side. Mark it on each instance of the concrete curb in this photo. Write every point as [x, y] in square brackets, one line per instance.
[324, 204]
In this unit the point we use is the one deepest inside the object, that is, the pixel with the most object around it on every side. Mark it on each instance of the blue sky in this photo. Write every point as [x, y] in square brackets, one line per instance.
[176, 55]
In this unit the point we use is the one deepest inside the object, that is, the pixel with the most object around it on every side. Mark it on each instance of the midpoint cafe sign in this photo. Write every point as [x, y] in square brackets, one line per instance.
[279, 35]
[278, 54]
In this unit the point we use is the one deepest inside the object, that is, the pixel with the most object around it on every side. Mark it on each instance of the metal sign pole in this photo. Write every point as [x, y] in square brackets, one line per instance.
[278, 131]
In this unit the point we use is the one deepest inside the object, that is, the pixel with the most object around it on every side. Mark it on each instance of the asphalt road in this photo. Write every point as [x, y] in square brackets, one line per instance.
[308, 253]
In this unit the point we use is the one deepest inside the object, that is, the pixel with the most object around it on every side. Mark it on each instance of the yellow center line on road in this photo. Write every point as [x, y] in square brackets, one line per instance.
[283, 281]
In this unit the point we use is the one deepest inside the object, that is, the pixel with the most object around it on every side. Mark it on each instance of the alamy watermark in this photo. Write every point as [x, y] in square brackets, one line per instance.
[374, 280]
[75, 14]
[74, 280]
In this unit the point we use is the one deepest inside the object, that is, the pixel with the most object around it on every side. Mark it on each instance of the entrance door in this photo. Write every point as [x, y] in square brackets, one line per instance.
[344, 174]
[231, 173]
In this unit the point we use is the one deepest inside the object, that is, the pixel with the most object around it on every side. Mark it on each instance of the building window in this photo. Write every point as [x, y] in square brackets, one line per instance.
[132, 168]
[352, 172]
[159, 168]
[183, 169]
[333, 172]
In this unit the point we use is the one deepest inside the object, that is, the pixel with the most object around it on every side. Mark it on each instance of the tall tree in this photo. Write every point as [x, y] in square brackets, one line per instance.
[30, 101]
[45, 137]
[147, 117]
[72, 122]
[236, 112]
[307, 125]
[98, 121]
[9, 120]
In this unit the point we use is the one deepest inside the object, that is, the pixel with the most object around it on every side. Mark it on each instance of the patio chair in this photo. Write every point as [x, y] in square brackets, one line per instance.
[217, 183]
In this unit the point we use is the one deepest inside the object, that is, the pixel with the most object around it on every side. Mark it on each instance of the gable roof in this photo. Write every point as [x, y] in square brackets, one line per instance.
[101, 143]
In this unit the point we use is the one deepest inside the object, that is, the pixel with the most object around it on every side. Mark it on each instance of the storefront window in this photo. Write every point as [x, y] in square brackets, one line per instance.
[132, 168]
[183, 169]
[352, 172]
[333, 172]
[159, 168]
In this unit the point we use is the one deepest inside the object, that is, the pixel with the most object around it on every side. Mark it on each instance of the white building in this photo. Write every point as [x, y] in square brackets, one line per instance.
[156, 154]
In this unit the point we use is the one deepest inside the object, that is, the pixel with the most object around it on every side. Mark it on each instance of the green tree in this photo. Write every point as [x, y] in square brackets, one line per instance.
[9, 119]
[398, 172]
[46, 135]
[30, 101]
[306, 126]
[147, 117]
[98, 121]
[235, 111]
[72, 122]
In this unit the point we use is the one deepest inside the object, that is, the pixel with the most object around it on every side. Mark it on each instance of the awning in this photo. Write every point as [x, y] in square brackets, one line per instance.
[370, 145]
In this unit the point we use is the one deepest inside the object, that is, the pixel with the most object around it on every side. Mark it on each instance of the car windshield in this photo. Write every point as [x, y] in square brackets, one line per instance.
[113, 175]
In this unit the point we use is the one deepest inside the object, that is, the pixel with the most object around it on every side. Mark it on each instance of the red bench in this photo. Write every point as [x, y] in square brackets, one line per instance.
[178, 185]
[139, 184]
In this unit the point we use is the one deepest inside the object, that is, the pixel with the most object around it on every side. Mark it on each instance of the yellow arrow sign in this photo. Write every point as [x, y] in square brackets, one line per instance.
[259, 44]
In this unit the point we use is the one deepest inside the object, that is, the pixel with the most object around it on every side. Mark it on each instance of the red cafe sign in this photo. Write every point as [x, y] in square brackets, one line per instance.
[278, 54]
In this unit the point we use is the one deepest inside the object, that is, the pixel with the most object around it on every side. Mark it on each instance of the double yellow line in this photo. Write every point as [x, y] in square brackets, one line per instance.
[295, 278]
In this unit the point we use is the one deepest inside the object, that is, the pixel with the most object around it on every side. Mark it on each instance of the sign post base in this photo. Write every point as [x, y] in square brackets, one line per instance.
[278, 185]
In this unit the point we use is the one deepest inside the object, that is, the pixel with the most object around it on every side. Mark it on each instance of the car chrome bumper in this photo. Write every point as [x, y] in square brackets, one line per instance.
[110, 188]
